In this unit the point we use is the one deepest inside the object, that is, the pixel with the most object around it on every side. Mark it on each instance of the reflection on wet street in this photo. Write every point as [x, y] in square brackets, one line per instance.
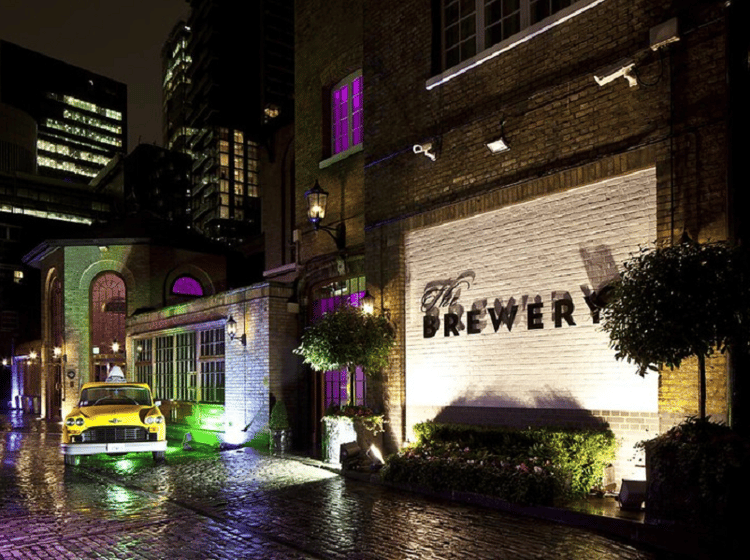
[243, 504]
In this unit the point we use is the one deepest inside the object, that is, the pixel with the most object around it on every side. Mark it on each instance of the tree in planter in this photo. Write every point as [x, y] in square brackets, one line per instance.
[673, 302]
[347, 338]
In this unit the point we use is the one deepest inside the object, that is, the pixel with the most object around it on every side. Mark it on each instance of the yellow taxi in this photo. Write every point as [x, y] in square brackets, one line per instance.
[114, 417]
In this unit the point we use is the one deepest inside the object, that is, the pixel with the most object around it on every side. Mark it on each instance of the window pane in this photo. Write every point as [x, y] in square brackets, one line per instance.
[451, 12]
[357, 111]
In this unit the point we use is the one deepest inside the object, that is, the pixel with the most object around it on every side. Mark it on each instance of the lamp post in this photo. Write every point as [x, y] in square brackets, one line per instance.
[317, 201]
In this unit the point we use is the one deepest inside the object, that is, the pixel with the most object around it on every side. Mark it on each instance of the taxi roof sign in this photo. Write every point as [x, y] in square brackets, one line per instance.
[115, 375]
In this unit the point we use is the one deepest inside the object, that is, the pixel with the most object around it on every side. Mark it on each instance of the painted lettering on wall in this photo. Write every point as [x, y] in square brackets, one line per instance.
[441, 307]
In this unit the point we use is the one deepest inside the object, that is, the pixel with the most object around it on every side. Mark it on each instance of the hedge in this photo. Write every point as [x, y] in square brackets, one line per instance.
[529, 466]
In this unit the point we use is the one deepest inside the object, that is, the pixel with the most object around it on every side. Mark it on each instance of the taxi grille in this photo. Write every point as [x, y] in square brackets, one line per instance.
[113, 434]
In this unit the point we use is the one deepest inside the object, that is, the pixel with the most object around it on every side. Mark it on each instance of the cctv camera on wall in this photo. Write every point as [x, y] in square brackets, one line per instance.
[424, 149]
[621, 69]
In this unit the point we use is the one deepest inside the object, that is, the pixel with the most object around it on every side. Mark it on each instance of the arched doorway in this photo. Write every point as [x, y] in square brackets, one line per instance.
[55, 338]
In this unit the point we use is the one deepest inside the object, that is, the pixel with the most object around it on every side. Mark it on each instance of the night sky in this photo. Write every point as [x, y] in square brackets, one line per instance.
[118, 39]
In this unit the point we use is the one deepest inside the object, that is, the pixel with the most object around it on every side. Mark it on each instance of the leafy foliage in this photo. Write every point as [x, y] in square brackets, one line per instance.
[531, 466]
[346, 338]
[677, 301]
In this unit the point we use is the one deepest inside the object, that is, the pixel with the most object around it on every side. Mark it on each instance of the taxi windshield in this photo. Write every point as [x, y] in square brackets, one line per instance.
[115, 395]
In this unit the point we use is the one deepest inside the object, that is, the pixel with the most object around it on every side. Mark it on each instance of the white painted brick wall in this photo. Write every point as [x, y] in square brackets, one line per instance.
[557, 243]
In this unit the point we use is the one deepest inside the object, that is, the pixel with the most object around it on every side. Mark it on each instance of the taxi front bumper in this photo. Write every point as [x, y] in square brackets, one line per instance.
[114, 447]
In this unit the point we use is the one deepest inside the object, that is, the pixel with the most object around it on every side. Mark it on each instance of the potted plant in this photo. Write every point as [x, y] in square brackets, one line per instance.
[673, 302]
[344, 339]
[279, 429]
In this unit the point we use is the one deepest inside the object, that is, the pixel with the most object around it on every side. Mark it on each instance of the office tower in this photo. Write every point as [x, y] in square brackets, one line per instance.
[227, 87]
[81, 116]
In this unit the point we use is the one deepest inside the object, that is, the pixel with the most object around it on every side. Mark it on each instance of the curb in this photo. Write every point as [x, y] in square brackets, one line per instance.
[688, 542]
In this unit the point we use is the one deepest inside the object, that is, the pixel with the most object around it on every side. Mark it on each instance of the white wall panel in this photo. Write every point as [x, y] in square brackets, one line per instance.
[566, 242]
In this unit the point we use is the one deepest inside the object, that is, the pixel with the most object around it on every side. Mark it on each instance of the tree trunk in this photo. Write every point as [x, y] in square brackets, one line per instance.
[702, 397]
[349, 385]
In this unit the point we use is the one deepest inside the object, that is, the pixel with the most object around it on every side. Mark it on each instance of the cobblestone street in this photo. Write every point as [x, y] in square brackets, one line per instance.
[244, 504]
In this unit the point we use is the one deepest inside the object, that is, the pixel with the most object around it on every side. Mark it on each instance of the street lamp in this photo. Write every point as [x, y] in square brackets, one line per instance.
[317, 200]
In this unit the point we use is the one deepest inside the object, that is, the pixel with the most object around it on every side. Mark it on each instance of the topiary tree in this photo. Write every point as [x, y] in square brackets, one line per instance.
[672, 302]
[347, 338]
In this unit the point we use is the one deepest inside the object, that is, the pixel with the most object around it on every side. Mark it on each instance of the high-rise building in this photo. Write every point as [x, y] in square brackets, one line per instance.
[227, 87]
[81, 116]
[175, 89]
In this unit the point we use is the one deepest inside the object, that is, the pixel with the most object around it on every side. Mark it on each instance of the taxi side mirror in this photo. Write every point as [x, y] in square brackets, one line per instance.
[157, 403]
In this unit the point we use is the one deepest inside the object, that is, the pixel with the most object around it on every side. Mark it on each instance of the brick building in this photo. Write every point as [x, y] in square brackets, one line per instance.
[513, 155]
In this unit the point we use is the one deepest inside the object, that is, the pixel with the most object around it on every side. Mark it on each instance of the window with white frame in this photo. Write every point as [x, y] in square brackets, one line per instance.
[471, 26]
[186, 366]
[346, 113]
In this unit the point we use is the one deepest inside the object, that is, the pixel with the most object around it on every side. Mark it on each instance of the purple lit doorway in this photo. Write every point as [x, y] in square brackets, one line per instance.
[330, 388]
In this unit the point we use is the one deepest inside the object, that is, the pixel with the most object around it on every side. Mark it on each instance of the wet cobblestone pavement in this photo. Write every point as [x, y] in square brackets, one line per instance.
[244, 504]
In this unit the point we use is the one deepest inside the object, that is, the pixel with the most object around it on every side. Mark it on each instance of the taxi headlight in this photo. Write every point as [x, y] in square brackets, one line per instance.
[79, 421]
[150, 419]
[70, 421]
[159, 419]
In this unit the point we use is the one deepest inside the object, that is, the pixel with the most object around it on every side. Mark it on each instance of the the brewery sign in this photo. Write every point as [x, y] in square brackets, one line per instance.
[442, 309]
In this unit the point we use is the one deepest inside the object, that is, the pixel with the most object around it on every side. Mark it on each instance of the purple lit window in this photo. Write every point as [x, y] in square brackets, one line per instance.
[187, 286]
[346, 114]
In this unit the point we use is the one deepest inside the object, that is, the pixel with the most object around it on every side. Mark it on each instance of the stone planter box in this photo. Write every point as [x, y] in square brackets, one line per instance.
[342, 429]
[280, 441]
[701, 487]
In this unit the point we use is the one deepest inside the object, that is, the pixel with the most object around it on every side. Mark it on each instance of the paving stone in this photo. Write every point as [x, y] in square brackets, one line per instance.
[245, 504]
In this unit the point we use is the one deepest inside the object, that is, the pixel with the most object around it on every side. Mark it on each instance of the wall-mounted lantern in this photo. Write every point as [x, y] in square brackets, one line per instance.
[232, 331]
[368, 303]
[317, 201]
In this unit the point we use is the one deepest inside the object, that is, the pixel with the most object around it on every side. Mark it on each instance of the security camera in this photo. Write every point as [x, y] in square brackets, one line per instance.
[424, 149]
[621, 69]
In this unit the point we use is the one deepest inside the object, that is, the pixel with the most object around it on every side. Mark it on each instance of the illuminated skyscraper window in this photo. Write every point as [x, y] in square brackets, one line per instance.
[81, 116]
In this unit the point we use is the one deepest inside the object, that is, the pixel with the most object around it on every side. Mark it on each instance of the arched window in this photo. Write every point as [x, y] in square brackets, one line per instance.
[108, 306]
[187, 286]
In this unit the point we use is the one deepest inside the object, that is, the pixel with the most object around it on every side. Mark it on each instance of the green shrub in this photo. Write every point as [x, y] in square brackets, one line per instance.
[523, 466]
[697, 473]
[279, 420]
